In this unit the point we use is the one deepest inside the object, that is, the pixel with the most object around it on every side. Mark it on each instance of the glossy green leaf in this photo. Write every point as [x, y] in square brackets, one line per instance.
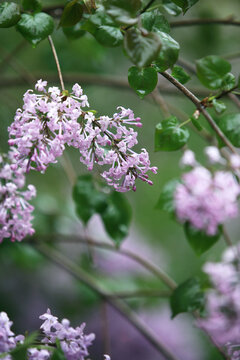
[141, 49]
[9, 14]
[187, 297]
[212, 70]
[170, 8]
[102, 27]
[123, 12]
[169, 136]
[117, 217]
[168, 54]
[219, 106]
[72, 13]
[74, 32]
[32, 5]
[199, 240]
[87, 198]
[228, 82]
[180, 74]
[166, 199]
[143, 81]
[36, 27]
[185, 4]
[230, 125]
[155, 21]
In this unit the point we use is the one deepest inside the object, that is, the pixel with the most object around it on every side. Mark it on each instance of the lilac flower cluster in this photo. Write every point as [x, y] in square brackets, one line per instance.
[8, 340]
[51, 120]
[15, 210]
[74, 343]
[223, 302]
[204, 199]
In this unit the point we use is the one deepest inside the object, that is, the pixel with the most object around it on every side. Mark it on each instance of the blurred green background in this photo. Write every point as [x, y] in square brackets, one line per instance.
[29, 283]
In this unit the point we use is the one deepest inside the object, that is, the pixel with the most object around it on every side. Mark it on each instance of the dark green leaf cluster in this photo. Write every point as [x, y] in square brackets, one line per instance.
[91, 198]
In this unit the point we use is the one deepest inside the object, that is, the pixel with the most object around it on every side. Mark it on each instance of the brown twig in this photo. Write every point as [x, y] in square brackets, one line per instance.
[201, 108]
[193, 22]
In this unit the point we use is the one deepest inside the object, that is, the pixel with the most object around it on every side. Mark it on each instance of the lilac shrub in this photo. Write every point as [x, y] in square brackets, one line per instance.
[206, 199]
[15, 210]
[51, 120]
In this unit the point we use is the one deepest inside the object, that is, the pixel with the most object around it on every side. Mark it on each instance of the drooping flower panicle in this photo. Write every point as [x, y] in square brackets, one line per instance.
[51, 120]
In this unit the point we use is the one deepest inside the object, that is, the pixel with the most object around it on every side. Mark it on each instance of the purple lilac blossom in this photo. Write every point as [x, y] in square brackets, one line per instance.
[74, 343]
[15, 210]
[222, 321]
[35, 354]
[51, 120]
[8, 340]
[206, 200]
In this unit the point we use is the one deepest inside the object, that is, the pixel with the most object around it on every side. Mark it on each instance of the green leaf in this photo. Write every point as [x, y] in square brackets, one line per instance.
[219, 106]
[20, 352]
[9, 14]
[32, 5]
[74, 32]
[169, 52]
[212, 71]
[179, 73]
[123, 12]
[228, 82]
[187, 297]
[58, 353]
[169, 136]
[143, 81]
[166, 199]
[102, 27]
[108, 35]
[141, 49]
[230, 125]
[87, 198]
[155, 21]
[185, 4]
[36, 27]
[196, 123]
[199, 240]
[170, 8]
[72, 13]
[117, 217]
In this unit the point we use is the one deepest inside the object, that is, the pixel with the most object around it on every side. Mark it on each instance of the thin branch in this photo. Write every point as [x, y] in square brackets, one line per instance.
[12, 55]
[201, 108]
[68, 169]
[154, 269]
[226, 237]
[57, 62]
[105, 328]
[141, 293]
[147, 6]
[66, 264]
[158, 99]
[92, 79]
[193, 22]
